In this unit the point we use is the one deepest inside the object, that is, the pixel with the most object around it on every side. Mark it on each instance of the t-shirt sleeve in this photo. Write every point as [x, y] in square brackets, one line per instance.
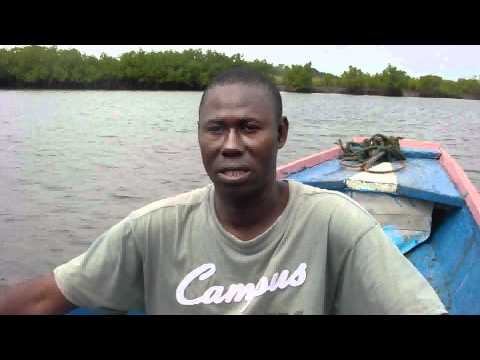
[108, 276]
[377, 279]
[366, 272]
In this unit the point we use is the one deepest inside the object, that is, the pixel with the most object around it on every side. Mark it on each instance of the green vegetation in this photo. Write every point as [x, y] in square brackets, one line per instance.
[298, 78]
[392, 81]
[354, 80]
[51, 68]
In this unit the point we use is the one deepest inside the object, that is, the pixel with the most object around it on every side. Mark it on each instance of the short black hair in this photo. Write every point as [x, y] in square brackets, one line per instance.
[244, 75]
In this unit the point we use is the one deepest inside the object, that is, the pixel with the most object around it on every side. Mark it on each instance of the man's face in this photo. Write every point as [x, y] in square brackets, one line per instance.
[239, 137]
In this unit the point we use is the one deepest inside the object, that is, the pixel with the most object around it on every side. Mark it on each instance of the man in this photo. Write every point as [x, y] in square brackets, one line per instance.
[247, 244]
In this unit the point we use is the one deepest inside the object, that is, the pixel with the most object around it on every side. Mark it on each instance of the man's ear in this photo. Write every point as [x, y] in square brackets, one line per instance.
[282, 132]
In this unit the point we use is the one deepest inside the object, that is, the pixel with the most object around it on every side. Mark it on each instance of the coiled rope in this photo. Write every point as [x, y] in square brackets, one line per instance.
[371, 151]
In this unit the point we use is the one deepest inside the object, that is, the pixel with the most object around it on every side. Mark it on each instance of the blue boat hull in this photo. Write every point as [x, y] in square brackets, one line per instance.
[449, 260]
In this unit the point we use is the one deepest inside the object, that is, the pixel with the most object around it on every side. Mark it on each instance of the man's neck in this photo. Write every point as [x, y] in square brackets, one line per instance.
[249, 216]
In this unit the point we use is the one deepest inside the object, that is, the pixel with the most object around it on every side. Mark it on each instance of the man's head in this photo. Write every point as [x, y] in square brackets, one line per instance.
[240, 75]
[240, 130]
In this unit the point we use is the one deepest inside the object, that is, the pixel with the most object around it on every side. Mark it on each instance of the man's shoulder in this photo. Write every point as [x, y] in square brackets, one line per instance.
[344, 211]
[332, 197]
[188, 199]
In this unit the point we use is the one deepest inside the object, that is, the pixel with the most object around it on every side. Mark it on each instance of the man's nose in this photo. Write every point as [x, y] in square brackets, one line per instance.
[233, 144]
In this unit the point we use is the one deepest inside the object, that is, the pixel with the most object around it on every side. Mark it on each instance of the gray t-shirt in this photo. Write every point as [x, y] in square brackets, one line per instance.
[323, 255]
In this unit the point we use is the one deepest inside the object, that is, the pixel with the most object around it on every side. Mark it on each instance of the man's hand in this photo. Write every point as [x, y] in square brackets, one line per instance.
[40, 296]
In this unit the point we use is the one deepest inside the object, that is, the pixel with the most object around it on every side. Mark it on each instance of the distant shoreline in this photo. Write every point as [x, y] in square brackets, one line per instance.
[283, 88]
[344, 91]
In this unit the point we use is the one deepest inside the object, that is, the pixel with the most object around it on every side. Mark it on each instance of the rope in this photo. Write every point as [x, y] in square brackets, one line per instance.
[369, 152]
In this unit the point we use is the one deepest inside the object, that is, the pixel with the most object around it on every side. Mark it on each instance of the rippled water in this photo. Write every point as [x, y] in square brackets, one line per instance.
[73, 163]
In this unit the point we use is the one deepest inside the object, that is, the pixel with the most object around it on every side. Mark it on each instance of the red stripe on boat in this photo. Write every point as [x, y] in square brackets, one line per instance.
[463, 183]
[307, 162]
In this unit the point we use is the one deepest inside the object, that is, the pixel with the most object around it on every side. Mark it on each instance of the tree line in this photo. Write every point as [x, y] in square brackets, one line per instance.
[395, 82]
[53, 68]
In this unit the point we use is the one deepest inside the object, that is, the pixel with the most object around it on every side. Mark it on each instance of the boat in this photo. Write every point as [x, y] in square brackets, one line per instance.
[429, 209]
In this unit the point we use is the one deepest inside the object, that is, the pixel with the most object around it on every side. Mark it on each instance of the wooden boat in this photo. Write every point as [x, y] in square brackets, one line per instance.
[429, 209]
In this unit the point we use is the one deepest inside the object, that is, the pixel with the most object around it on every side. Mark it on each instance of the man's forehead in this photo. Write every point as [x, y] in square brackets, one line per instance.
[238, 96]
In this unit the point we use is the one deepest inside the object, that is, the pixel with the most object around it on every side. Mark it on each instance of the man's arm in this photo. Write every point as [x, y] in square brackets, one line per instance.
[378, 279]
[40, 296]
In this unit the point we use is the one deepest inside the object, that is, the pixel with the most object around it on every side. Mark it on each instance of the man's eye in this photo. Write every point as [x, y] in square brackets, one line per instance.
[250, 127]
[214, 128]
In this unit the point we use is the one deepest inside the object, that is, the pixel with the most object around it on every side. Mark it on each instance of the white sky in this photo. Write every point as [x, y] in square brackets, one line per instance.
[448, 61]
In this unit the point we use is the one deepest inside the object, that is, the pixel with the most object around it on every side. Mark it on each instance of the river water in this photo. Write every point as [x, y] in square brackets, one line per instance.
[73, 163]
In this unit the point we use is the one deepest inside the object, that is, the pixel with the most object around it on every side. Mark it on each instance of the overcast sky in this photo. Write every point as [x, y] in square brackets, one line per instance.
[448, 61]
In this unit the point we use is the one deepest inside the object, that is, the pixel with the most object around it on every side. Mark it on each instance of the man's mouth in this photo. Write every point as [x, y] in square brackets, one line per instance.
[234, 175]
